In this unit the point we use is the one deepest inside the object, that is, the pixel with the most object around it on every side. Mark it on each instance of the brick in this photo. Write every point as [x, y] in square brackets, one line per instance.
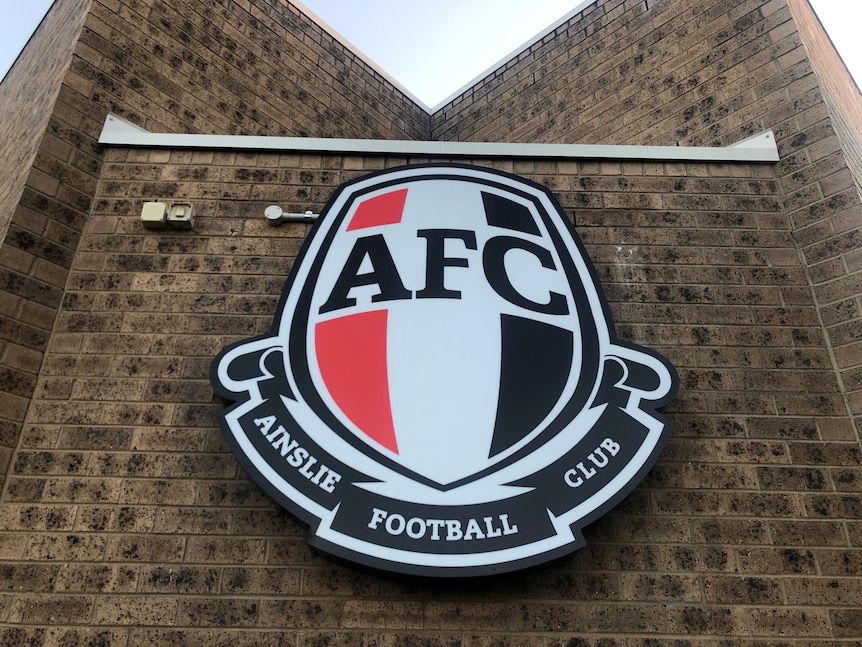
[262, 581]
[777, 561]
[808, 533]
[134, 610]
[795, 622]
[337, 583]
[89, 578]
[661, 587]
[149, 637]
[823, 592]
[696, 559]
[145, 548]
[846, 623]
[606, 618]
[37, 517]
[847, 480]
[28, 577]
[56, 637]
[747, 590]
[300, 613]
[834, 506]
[51, 609]
[125, 464]
[198, 522]
[215, 612]
[466, 615]
[709, 621]
[730, 531]
[143, 491]
[226, 550]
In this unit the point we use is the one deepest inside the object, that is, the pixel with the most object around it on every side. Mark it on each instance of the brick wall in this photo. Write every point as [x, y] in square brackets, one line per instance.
[703, 72]
[223, 67]
[839, 89]
[127, 517]
[220, 67]
[38, 237]
[693, 72]
[27, 104]
[829, 215]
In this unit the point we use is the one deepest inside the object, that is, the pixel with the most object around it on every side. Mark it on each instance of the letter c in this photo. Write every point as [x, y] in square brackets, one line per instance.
[573, 482]
[493, 259]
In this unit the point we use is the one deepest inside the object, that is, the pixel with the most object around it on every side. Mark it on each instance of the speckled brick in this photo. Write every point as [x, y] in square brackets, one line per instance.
[208, 612]
[51, 609]
[134, 610]
[57, 637]
[300, 613]
[96, 578]
[149, 637]
[145, 548]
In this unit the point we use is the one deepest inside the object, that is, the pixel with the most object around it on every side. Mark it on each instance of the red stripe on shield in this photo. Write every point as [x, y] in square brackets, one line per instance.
[351, 354]
[385, 209]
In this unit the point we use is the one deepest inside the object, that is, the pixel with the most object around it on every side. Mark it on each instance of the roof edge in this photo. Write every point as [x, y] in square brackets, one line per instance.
[760, 148]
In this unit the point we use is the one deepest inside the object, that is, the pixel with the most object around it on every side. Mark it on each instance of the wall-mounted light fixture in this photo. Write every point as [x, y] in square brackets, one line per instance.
[275, 215]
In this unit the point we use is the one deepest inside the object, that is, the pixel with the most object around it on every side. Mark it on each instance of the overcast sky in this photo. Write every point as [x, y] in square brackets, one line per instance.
[435, 48]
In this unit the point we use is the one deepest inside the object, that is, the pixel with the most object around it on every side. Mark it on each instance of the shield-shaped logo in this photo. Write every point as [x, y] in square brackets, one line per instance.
[442, 391]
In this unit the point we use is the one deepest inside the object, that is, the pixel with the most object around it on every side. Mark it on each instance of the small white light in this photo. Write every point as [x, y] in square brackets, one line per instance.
[273, 214]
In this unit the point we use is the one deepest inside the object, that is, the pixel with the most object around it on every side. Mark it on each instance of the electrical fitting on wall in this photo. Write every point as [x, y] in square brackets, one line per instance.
[160, 215]
[181, 215]
[275, 215]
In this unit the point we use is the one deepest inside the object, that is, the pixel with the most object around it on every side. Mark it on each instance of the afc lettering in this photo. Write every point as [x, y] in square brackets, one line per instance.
[388, 280]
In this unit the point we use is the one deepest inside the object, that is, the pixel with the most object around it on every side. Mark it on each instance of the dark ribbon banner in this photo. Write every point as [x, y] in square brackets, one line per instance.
[448, 529]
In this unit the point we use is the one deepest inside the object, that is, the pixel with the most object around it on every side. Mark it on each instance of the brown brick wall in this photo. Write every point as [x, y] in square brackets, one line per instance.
[830, 224]
[218, 67]
[696, 72]
[126, 515]
[840, 90]
[38, 219]
[27, 95]
[224, 67]
[703, 72]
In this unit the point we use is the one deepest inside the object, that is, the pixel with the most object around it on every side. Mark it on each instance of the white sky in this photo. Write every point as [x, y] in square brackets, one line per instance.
[435, 48]
[20, 18]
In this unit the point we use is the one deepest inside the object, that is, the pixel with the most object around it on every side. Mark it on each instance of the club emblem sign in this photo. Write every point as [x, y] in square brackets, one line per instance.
[442, 392]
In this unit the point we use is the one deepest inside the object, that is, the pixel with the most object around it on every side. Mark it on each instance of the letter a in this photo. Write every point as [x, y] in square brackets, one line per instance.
[265, 424]
[384, 275]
